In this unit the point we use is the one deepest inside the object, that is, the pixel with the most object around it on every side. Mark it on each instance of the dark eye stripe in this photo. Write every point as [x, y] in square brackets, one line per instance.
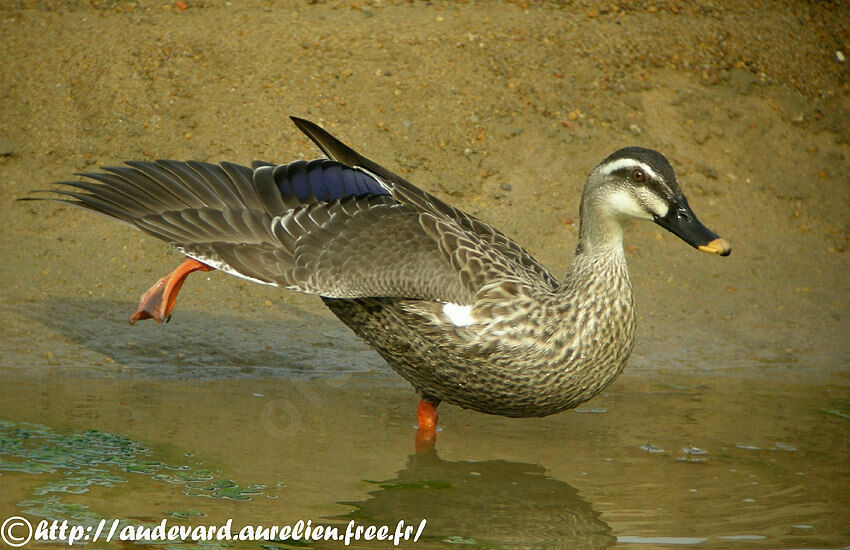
[659, 188]
[628, 171]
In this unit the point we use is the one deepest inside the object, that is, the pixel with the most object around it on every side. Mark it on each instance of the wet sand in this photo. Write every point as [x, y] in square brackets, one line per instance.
[501, 109]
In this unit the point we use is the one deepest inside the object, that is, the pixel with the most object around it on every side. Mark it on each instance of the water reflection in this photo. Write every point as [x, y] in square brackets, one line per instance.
[492, 503]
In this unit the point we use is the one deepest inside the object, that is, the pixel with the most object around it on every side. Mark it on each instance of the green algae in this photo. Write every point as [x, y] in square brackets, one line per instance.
[72, 464]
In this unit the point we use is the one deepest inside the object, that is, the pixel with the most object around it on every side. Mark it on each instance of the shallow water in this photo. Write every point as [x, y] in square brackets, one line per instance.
[722, 459]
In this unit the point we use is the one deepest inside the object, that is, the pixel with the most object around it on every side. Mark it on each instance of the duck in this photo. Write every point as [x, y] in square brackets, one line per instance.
[453, 305]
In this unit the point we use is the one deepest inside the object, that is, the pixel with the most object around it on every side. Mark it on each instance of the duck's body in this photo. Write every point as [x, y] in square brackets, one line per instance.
[528, 351]
[454, 306]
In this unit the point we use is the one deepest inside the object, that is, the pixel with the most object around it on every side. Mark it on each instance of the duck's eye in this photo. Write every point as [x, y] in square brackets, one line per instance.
[639, 176]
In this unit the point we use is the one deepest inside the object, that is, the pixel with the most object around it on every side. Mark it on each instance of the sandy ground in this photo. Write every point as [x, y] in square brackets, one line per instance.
[500, 107]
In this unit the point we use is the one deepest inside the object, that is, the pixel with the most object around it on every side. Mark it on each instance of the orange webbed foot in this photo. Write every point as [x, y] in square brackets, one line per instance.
[158, 302]
[426, 425]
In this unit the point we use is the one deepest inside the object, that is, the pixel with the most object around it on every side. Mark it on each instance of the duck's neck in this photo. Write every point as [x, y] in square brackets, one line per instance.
[599, 254]
[600, 231]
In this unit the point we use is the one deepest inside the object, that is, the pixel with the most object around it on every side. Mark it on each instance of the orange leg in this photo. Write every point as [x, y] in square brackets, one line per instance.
[426, 423]
[158, 302]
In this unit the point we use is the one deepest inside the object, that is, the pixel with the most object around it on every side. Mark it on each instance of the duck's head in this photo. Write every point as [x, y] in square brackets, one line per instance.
[638, 183]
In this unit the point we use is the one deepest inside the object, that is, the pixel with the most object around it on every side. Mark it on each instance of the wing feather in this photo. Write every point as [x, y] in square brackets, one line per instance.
[518, 263]
[342, 228]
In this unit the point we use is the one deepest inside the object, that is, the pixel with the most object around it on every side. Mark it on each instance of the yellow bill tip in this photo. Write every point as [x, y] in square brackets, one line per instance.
[717, 246]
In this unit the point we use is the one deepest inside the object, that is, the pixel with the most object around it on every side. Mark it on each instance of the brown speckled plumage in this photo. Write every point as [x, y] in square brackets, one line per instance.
[531, 351]
[386, 258]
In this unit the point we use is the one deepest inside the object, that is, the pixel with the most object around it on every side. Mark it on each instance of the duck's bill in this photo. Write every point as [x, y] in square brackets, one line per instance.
[682, 222]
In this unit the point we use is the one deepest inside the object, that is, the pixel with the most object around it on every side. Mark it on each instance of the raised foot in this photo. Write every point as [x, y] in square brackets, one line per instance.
[158, 302]
[426, 424]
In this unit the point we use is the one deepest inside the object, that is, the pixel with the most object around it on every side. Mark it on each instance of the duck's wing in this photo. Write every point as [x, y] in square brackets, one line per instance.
[319, 227]
[479, 251]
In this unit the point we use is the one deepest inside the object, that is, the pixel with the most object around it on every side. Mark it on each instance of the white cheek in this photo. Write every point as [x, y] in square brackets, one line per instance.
[655, 204]
[624, 204]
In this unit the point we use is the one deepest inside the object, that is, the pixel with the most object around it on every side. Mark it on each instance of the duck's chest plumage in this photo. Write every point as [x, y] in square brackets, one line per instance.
[527, 352]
